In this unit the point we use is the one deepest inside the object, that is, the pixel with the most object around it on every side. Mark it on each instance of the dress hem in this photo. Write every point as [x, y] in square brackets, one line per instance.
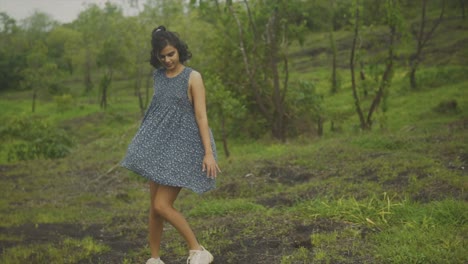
[165, 184]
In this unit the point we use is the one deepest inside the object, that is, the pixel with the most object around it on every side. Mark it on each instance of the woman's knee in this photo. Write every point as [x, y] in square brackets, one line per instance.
[160, 209]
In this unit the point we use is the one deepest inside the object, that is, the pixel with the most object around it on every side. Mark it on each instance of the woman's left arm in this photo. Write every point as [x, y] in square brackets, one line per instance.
[197, 92]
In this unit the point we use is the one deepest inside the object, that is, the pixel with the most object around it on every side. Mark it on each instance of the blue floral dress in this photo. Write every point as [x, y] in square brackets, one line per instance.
[167, 148]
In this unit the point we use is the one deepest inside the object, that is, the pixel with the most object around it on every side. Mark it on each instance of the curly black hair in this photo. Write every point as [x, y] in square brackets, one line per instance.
[160, 38]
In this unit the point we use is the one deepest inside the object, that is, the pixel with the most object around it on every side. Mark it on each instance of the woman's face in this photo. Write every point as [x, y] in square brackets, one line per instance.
[169, 57]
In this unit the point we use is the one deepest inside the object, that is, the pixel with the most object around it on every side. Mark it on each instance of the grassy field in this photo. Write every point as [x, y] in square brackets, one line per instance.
[396, 194]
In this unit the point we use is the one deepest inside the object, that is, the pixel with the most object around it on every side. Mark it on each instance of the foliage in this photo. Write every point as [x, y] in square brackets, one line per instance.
[64, 102]
[262, 32]
[11, 55]
[35, 138]
[102, 41]
[64, 47]
[226, 112]
[394, 195]
[306, 108]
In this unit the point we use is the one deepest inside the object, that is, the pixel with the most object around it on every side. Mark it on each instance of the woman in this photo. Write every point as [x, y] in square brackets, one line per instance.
[174, 147]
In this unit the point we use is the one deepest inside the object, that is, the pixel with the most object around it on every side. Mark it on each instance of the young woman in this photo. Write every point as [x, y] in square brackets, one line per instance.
[174, 147]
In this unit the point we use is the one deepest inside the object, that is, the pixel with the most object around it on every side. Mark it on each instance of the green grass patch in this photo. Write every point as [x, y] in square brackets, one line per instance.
[67, 251]
[401, 231]
[223, 207]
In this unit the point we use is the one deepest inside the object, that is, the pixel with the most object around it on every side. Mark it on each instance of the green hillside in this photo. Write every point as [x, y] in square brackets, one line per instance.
[394, 194]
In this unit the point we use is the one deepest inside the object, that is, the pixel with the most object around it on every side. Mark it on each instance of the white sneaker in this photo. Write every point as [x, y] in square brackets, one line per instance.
[154, 261]
[202, 256]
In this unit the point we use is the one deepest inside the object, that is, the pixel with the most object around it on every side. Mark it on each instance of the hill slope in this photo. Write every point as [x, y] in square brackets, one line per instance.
[396, 194]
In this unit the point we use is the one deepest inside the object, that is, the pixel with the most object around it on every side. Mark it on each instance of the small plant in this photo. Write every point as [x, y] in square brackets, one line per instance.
[35, 138]
[64, 102]
[300, 256]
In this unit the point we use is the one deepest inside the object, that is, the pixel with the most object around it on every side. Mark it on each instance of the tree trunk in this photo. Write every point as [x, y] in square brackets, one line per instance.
[33, 107]
[138, 81]
[357, 102]
[140, 102]
[224, 135]
[105, 83]
[250, 70]
[70, 66]
[103, 103]
[422, 39]
[386, 78]
[334, 81]
[462, 5]
[320, 126]
[88, 82]
[412, 75]
[272, 53]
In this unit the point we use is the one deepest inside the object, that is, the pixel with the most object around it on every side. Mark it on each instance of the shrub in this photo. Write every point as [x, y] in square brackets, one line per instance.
[35, 138]
[64, 102]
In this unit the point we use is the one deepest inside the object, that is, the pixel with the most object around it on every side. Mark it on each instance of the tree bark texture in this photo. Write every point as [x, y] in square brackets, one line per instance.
[250, 70]
[386, 77]
[462, 5]
[352, 63]
[105, 83]
[272, 54]
[87, 69]
[271, 103]
[33, 107]
[334, 81]
[224, 135]
[422, 39]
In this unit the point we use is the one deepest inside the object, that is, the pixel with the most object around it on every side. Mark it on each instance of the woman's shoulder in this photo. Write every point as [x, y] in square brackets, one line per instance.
[193, 73]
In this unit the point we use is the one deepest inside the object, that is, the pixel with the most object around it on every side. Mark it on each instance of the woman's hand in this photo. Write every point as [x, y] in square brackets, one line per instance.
[210, 166]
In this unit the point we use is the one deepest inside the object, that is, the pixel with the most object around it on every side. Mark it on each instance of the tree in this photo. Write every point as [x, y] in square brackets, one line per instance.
[462, 5]
[106, 43]
[422, 39]
[40, 73]
[88, 24]
[114, 44]
[12, 59]
[138, 67]
[394, 22]
[64, 44]
[263, 40]
[37, 26]
[306, 104]
[333, 26]
[225, 108]
[168, 12]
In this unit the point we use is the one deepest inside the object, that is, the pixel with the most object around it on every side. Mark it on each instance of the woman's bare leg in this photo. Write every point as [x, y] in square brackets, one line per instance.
[155, 224]
[162, 201]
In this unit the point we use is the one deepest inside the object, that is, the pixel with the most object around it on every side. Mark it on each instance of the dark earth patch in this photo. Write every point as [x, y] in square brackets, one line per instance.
[439, 190]
[288, 174]
[46, 233]
[281, 199]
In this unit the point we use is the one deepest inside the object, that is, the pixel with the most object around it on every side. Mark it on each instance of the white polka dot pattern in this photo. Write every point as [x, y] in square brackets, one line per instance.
[167, 149]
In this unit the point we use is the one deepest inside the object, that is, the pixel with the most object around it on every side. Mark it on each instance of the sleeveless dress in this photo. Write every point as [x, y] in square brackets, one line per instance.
[167, 148]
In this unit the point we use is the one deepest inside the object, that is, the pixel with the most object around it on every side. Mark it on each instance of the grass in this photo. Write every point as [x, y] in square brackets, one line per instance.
[68, 251]
[389, 196]
[396, 194]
